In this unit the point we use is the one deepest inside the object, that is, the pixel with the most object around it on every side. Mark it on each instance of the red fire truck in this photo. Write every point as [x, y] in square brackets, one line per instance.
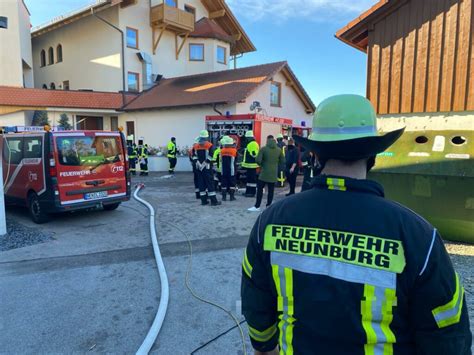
[236, 126]
[57, 171]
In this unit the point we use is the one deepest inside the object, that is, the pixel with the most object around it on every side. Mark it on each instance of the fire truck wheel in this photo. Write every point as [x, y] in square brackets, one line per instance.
[37, 213]
[111, 207]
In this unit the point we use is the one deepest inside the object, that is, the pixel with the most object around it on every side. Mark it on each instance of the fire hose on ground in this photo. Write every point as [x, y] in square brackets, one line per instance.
[160, 315]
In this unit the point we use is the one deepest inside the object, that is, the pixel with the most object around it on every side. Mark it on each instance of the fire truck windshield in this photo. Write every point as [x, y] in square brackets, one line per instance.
[88, 151]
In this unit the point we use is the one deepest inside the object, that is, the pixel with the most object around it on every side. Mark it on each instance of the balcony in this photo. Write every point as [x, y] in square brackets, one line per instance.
[171, 18]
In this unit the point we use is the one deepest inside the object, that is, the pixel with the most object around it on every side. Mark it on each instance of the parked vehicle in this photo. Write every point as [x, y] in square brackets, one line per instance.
[57, 171]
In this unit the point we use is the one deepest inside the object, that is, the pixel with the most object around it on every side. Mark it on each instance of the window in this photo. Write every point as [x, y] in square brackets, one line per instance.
[45, 86]
[50, 56]
[14, 151]
[89, 151]
[133, 81]
[52, 86]
[114, 123]
[43, 58]
[173, 3]
[59, 53]
[221, 55]
[132, 38]
[190, 9]
[275, 94]
[32, 148]
[196, 52]
[66, 85]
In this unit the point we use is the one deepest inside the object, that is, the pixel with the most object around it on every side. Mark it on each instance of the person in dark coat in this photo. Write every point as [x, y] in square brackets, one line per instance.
[291, 165]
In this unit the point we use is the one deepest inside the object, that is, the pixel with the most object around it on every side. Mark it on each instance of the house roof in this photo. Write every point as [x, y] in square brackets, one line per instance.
[23, 97]
[221, 13]
[222, 87]
[206, 28]
[356, 32]
[71, 16]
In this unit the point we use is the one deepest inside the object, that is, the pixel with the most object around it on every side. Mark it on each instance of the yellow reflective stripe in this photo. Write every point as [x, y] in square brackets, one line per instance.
[377, 315]
[283, 278]
[262, 336]
[387, 317]
[247, 266]
[276, 279]
[450, 313]
[366, 310]
[336, 184]
[290, 310]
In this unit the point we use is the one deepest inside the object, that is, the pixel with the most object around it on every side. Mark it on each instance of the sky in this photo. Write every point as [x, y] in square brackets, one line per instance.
[298, 31]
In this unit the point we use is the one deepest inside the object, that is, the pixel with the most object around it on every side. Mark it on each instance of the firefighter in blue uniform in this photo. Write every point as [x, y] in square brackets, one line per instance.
[132, 155]
[341, 270]
[143, 157]
[204, 152]
[228, 159]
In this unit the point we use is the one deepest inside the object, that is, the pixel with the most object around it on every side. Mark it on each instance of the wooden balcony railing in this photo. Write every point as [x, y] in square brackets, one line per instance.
[172, 18]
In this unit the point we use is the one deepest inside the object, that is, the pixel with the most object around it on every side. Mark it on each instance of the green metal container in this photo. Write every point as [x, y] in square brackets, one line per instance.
[432, 173]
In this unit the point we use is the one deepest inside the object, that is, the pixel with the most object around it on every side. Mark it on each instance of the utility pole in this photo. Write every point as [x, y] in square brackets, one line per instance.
[3, 221]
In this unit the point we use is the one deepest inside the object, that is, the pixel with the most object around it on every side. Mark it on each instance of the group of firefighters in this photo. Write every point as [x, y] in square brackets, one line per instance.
[215, 167]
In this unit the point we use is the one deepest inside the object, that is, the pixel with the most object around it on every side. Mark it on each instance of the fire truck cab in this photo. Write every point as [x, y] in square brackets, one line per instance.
[57, 171]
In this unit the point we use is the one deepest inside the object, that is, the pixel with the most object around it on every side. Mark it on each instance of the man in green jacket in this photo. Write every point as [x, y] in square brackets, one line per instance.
[269, 158]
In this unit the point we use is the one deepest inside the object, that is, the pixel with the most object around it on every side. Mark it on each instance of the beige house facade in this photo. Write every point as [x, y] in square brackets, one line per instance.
[17, 66]
[83, 51]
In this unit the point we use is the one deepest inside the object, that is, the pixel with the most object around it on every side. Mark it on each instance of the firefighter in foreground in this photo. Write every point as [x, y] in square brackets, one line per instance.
[204, 153]
[143, 157]
[228, 156]
[172, 152]
[250, 164]
[341, 270]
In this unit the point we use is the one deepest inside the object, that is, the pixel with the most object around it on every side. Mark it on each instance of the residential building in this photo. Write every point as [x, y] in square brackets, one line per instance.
[161, 38]
[16, 60]
[420, 62]
[173, 107]
[178, 106]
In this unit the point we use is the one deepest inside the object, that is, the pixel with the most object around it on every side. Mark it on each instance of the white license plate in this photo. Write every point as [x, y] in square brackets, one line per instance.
[95, 195]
